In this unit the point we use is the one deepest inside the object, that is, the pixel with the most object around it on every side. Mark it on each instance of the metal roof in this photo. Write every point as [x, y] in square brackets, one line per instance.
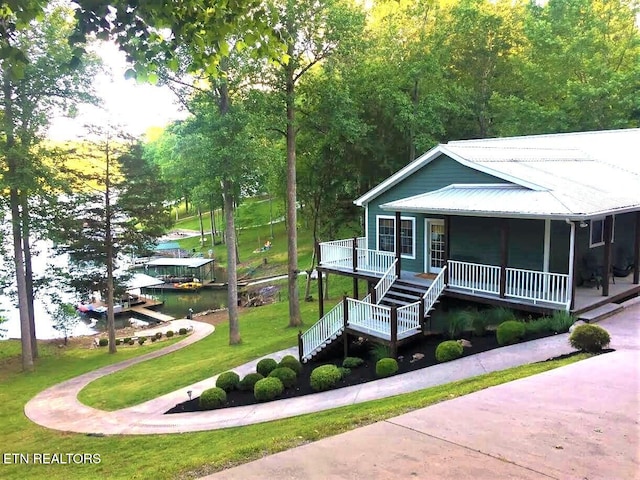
[578, 175]
[140, 280]
[179, 262]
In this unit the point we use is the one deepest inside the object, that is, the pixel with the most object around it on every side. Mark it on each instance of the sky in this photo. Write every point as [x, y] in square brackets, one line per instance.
[136, 107]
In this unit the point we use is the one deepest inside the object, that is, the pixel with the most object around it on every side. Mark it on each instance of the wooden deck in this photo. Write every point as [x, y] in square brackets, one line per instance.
[160, 317]
[591, 298]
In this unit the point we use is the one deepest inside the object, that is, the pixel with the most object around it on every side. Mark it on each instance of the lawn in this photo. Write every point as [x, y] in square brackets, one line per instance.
[182, 455]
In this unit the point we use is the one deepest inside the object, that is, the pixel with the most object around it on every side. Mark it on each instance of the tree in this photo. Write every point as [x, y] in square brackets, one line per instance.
[41, 73]
[65, 319]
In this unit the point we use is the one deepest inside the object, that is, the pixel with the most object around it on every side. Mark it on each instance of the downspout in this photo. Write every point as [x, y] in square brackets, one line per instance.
[572, 253]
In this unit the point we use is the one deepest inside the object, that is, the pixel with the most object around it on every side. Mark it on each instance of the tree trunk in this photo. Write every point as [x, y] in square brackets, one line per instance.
[14, 205]
[28, 270]
[201, 226]
[111, 324]
[295, 319]
[271, 216]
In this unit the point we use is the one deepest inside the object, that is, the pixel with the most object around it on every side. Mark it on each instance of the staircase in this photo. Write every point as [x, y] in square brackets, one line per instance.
[410, 301]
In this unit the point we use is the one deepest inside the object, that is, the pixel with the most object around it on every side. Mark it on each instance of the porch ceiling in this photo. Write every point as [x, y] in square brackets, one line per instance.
[502, 200]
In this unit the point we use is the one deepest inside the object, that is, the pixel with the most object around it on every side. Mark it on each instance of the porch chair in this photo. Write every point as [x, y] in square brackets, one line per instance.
[593, 272]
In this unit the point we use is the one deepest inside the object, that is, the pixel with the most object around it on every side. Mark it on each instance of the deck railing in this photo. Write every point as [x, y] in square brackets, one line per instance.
[374, 261]
[475, 277]
[435, 290]
[374, 318]
[338, 253]
[322, 331]
[409, 318]
[538, 286]
[384, 284]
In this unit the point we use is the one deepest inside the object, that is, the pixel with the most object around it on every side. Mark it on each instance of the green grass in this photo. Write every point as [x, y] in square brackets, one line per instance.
[184, 455]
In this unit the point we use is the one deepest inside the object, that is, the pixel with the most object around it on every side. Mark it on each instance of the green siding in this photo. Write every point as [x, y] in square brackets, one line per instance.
[439, 173]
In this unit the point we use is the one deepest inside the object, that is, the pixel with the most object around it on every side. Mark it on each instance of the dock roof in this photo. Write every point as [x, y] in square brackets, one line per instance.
[179, 262]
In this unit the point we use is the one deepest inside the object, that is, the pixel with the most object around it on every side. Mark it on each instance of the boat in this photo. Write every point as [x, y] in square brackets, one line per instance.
[191, 286]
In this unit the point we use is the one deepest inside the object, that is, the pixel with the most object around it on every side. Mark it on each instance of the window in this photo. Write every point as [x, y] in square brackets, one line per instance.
[596, 237]
[387, 235]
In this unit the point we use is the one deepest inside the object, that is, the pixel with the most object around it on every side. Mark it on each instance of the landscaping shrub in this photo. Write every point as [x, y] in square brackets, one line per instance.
[141, 340]
[158, 335]
[479, 322]
[344, 372]
[212, 398]
[457, 322]
[325, 377]
[385, 367]
[103, 342]
[509, 332]
[499, 315]
[267, 389]
[118, 341]
[266, 366]
[449, 350]
[131, 342]
[379, 351]
[352, 362]
[589, 338]
[286, 375]
[169, 333]
[182, 331]
[249, 381]
[541, 325]
[561, 321]
[291, 362]
[228, 381]
[154, 339]
[127, 340]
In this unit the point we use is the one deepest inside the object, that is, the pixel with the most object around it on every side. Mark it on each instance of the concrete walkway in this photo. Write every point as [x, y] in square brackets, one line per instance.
[581, 421]
[51, 408]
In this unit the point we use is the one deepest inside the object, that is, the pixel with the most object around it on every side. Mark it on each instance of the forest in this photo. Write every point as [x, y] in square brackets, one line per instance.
[310, 101]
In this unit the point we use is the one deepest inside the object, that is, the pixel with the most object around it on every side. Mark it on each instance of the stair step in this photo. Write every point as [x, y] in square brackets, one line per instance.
[394, 302]
[399, 294]
[408, 287]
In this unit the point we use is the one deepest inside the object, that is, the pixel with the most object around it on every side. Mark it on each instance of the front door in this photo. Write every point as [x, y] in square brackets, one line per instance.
[434, 245]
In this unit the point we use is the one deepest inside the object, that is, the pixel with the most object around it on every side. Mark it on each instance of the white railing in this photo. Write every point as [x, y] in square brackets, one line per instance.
[338, 253]
[374, 318]
[325, 328]
[435, 289]
[538, 286]
[474, 276]
[362, 243]
[389, 276]
[374, 261]
[409, 318]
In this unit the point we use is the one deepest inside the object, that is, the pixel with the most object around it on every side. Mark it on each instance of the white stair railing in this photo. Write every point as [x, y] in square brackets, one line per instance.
[374, 318]
[409, 318]
[434, 291]
[322, 331]
[383, 286]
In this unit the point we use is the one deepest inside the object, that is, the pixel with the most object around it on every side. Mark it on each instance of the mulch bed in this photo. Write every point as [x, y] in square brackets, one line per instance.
[407, 361]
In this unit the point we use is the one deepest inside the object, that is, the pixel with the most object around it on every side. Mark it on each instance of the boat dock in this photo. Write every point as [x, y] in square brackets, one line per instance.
[160, 317]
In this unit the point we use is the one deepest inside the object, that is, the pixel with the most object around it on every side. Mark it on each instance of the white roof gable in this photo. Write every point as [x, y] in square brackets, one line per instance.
[589, 173]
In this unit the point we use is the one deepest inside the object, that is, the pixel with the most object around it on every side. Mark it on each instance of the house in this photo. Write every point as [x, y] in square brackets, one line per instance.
[537, 223]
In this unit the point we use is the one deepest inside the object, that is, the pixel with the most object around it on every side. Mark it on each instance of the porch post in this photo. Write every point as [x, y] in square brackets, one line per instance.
[608, 225]
[354, 254]
[547, 245]
[573, 266]
[394, 332]
[355, 288]
[504, 255]
[636, 252]
[372, 291]
[345, 317]
[300, 346]
[320, 290]
[447, 231]
[398, 243]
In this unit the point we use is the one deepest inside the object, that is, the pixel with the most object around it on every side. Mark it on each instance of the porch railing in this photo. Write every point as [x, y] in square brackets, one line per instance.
[409, 318]
[374, 261]
[435, 290]
[338, 253]
[538, 286]
[384, 284]
[475, 277]
[374, 318]
[322, 331]
[353, 254]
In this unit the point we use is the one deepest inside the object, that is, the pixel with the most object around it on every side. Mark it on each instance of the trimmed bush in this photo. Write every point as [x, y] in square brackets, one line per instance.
[344, 372]
[182, 331]
[118, 341]
[103, 342]
[212, 398]
[449, 350]
[249, 381]
[228, 381]
[267, 389]
[286, 375]
[169, 333]
[266, 366]
[291, 362]
[510, 332]
[325, 377]
[154, 339]
[131, 342]
[127, 339]
[141, 340]
[589, 338]
[158, 335]
[352, 362]
[385, 367]
[561, 321]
